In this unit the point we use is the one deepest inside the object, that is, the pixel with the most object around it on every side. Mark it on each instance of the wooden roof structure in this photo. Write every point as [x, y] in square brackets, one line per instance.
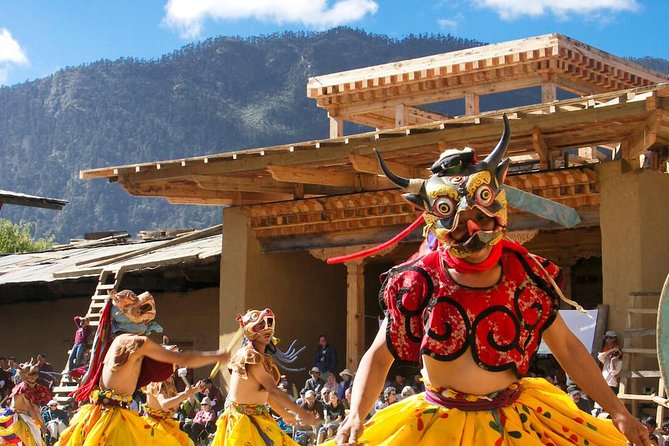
[386, 96]
[15, 198]
[332, 191]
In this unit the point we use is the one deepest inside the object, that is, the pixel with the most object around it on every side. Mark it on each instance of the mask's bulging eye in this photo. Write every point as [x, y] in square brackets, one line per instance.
[444, 207]
[485, 196]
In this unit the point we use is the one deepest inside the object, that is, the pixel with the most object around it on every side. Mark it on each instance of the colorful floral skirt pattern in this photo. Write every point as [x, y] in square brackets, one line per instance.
[249, 425]
[167, 428]
[542, 415]
[18, 428]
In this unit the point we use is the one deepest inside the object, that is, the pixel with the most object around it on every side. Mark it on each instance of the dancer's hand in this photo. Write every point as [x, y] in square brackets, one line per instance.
[308, 418]
[636, 433]
[289, 419]
[349, 432]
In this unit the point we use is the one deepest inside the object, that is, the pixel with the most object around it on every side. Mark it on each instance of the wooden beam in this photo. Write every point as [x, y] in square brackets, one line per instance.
[401, 115]
[295, 174]
[548, 92]
[539, 145]
[643, 137]
[366, 164]
[336, 126]
[472, 104]
[185, 189]
[262, 184]
[355, 313]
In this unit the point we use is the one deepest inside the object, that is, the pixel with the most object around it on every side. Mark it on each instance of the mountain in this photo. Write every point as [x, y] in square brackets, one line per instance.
[222, 94]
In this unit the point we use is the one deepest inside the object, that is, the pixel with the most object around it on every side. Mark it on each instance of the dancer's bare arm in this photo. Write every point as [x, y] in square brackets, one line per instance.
[368, 384]
[278, 399]
[170, 403]
[581, 367]
[186, 359]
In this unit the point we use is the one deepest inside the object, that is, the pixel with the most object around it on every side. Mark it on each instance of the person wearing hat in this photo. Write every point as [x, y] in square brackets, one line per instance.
[315, 382]
[56, 420]
[204, 422]
[346, 381]
[471, 308]
[611, 357]
[577, 397]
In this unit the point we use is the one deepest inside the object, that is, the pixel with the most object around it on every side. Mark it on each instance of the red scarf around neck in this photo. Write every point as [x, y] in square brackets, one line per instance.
[464, 267]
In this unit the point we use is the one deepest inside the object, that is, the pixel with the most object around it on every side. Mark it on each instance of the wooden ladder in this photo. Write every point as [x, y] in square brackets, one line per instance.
[109, 280]
[641, 305]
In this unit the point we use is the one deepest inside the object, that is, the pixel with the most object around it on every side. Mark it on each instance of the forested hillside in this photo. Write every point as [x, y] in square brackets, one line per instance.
[221, 94]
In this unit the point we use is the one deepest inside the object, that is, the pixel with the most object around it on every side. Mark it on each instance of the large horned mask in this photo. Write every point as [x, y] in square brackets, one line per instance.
[460, 182]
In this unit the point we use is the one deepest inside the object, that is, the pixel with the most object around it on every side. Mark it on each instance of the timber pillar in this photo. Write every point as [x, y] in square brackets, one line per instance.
[635, 235]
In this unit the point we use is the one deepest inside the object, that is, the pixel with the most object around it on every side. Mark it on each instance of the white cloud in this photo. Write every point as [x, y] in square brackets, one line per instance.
[10, 50]
[450, 24]
[511, 9]
[187, 16]
[4, 76]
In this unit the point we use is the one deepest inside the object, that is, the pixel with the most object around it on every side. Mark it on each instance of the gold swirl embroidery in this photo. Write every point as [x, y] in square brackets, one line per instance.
[440, 190]
[477, 179]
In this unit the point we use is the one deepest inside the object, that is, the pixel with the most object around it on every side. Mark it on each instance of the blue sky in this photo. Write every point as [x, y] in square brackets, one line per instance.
[38, 38]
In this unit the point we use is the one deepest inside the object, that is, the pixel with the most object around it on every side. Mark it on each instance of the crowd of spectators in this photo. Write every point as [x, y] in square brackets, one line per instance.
[326, 393]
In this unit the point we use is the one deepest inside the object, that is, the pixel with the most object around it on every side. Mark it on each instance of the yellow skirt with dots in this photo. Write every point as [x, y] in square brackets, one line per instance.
[249, 425]
[540, 414]
[107, 422]
[164, 426]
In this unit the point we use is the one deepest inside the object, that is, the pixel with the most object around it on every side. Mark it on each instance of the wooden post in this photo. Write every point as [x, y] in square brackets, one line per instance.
[471, 104]
[355, 314]
[336, 126]
[401, 115]
[548, 92]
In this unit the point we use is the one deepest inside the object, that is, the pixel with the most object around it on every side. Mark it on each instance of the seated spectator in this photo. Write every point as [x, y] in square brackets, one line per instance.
[305, 433]
[577, 398]
[5, 379]
[331, 383]
[56, 421]
[215, 395]
[653, 434]
[204, 422]
[346, 382]
[346, 401]
[46, 372]
[333, 415]
[314, 383]
[324, 396]
[407, 391]
[398, 384]
[418, 383]
[388, 397]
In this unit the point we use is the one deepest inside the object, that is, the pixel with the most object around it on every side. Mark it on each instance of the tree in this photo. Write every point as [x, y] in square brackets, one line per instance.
[15, 238]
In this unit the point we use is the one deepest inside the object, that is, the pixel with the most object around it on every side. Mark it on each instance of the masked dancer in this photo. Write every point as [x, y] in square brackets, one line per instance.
[472, 313]
[124, 359]
[254, 388]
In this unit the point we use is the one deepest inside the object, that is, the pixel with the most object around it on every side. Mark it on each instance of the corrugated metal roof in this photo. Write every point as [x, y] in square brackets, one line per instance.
[69, 263]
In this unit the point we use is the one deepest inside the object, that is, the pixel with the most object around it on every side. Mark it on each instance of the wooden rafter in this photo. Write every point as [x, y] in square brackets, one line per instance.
[644, 137]
[368, 164]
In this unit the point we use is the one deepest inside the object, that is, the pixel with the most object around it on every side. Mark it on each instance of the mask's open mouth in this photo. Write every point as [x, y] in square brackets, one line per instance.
[470, 235]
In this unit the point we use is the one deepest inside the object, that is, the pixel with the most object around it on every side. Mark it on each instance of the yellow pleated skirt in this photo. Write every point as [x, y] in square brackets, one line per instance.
[542, 415]
[234, 428]
[168, 430]
[99, 425]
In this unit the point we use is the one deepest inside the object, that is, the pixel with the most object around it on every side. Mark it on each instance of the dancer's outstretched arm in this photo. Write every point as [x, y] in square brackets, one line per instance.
[367, 387]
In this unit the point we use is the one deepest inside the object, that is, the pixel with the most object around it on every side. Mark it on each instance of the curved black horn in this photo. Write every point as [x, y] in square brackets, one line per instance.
[398, 180]
[495, 157]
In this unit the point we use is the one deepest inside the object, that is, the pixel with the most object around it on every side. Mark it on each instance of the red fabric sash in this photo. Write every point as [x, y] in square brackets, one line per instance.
[464, 267]
[502, 399]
